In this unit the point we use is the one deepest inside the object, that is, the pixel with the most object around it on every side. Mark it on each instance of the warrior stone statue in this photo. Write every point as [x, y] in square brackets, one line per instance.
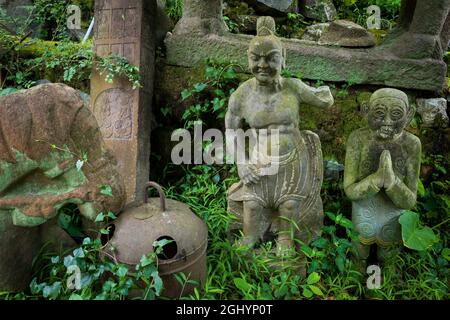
[276, 201]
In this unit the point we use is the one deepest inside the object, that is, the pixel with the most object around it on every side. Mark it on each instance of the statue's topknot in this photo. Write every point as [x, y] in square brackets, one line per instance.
[265, 26]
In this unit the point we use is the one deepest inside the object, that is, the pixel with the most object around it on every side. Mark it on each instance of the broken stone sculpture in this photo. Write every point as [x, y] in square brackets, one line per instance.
[433, 112]
[423, 30]
[381, 172]
[201, 17]
[320, 10]
[314, 32]
[51, 155]
[267, 201]
[273, 7]
[345, 33]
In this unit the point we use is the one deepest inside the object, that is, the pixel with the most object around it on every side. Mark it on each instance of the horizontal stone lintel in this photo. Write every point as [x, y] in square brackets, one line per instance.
[376, 66]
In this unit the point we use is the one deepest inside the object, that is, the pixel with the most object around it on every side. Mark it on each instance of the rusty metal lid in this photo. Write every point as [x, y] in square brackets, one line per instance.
[138, 228]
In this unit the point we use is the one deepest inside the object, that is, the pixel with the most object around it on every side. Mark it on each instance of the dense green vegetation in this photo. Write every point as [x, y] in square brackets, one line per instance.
[233, 273]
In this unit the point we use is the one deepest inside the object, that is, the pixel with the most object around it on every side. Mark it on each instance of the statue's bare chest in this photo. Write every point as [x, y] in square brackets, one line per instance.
[277, 109]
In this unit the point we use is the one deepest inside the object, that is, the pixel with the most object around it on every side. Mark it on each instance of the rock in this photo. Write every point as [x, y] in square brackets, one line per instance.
[247, 23]
[332, 170]
[314, 32]
[345, 33]
[273, 7]
[433, 112]
[320, 10]
[164, 24]
[44, 133]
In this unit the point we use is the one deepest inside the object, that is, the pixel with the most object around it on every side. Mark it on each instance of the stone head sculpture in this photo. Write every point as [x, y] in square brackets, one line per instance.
[382, 167]
[266, 56]
[433, 112]
[388, 113]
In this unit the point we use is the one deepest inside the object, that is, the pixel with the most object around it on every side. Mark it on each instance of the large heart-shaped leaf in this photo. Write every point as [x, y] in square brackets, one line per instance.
[414, 235]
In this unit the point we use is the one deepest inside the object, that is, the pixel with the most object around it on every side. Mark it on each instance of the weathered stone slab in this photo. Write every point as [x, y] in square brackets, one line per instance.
[126, 28]
[387, 64]
[315, 62]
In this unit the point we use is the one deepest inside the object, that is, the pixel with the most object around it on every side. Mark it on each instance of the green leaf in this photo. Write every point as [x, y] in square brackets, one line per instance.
[78, 253]
[242, 284]
[111, 215]
[308, 251]
[199, 87]
[331, 215]
[185, 94]
[340, 263]
[307, 293]
[316, 290]
[75, 296]
[52, 292]
[122, 271]
[100, 217]
[313, 278]
[420, 188]
[158, 284]
[446, 254]
[415, 236]
[281, 291]
[106, 190]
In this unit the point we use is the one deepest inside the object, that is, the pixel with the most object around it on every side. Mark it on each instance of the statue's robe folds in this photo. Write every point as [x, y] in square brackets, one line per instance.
[299, 177]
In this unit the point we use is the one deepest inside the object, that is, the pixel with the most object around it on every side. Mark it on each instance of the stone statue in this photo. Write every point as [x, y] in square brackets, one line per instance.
[381, 172]
[433, 112]
[51, 155]
[268, 202]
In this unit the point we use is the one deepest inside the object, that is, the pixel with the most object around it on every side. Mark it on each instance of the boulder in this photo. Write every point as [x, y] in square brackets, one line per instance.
[273, 7]
[320, 10]
[345, 33]
[52, 154]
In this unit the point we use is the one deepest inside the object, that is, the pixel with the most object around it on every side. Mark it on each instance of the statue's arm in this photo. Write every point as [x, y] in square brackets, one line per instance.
[354, 189]
[233, 121]
[319, 97]
[404, 193]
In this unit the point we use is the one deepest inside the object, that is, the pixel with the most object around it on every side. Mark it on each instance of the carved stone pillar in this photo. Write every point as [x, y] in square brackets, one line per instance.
[126, 28]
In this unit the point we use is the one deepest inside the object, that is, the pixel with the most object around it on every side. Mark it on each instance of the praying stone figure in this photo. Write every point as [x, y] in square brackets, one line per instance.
[381, 172]
[273, 201]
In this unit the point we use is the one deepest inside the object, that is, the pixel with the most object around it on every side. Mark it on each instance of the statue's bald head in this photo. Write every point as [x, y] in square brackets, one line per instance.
[389, 93]
[389, 113]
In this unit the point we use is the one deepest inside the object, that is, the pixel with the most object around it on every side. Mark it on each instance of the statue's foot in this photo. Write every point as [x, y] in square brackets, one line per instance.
[285, 247]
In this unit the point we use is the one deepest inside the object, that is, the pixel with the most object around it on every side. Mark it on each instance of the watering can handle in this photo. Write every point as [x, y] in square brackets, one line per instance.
[162, 197]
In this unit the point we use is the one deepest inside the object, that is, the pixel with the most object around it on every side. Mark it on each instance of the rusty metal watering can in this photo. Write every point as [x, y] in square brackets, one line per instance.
[136, 229]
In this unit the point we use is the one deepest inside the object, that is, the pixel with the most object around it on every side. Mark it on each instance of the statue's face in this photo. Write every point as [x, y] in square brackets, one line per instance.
[265, 60]
[387, 117]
